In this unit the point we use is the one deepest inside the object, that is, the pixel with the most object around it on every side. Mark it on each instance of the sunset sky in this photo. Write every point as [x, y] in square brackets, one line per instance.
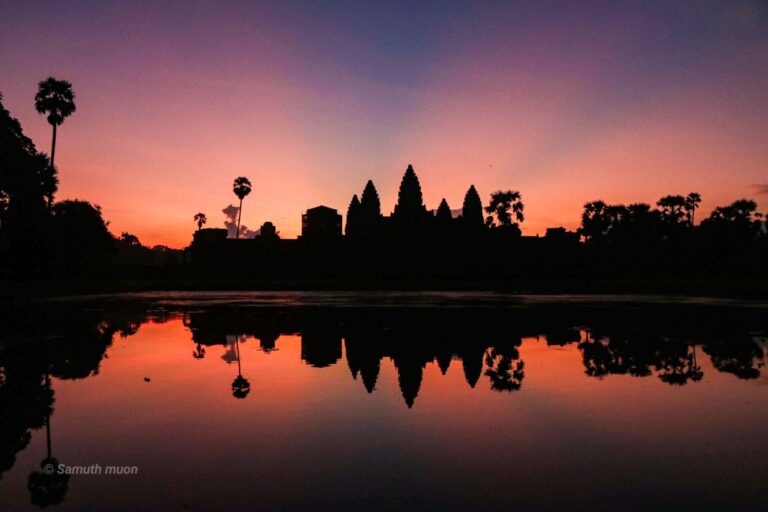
[565, 101]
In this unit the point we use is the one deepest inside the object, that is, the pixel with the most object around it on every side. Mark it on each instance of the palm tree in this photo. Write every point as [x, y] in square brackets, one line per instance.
[201, 219]
[241, 187]
[691, 203]
[501, 204]
[55, 98]
[673, 208]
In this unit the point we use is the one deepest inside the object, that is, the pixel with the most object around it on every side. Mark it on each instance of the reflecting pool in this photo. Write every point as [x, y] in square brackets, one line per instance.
[446, 401]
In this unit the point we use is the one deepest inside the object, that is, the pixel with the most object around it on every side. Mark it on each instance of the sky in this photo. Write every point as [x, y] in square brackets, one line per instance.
[566, 102]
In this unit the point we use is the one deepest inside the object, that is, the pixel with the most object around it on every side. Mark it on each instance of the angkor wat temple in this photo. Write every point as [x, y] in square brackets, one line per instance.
[412, 241]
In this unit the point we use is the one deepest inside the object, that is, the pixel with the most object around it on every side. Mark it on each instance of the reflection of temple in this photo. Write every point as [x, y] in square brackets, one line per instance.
[209, 330]
[366, 340]
[320, 346]
[72, 341]
[414, 339]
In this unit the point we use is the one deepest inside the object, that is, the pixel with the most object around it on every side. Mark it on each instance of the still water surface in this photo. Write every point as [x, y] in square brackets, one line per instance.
[302, 401]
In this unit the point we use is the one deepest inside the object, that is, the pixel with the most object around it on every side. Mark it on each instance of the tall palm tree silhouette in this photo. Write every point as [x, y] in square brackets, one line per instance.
[200, 219]
[692, 201]
[55, 98]
[241, 187]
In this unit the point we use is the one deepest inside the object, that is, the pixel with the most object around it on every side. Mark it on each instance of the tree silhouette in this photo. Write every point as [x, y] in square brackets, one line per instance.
[692, 201]
[673, 208]
[742, 210]
[633, 225]
[595, 222]
[130, 239]
[27, 185]
[23, 170]
[56, 99]
[738, 221]
[200, 219]
[503, 205]
[268, 231]
[79, 239]
[241, 187]
[601, 222]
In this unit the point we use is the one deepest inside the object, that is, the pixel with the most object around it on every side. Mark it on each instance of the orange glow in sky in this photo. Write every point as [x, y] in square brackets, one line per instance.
[624, 104]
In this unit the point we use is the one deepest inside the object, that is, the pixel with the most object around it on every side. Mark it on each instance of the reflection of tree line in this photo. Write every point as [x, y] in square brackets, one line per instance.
[70, 342]
[34, 348]
[674, 361]
[490, 349]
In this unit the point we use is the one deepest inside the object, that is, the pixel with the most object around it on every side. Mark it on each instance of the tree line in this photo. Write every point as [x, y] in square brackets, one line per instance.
[42, 237]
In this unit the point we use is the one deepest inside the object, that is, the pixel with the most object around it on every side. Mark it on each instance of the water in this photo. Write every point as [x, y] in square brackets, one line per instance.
[447, 401]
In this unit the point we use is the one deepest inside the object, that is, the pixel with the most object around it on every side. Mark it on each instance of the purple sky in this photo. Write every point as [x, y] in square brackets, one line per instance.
[565, 101]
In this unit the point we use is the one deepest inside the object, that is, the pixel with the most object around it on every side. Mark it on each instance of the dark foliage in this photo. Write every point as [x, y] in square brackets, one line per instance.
[27, 183]
[79, 240]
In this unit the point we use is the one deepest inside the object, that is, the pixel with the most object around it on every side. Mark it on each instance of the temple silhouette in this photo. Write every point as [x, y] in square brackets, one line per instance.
[413, 241]
[417, 246]
[478, 246]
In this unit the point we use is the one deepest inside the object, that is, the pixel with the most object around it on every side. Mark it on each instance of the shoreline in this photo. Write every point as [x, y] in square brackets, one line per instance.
[715, 287]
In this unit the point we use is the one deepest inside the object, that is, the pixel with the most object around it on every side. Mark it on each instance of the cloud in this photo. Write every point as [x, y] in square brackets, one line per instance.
[760, 189]
[230, 222]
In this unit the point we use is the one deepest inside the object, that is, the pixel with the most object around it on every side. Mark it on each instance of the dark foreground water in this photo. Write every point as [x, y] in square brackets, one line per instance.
[383, 401]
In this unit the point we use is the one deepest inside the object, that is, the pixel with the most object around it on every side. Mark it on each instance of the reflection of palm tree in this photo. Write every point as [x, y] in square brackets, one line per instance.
[240, 386]
[199, 352]
[46, 486]
[677, 365]
[505, 369]
[241, 187]
[694, 369]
